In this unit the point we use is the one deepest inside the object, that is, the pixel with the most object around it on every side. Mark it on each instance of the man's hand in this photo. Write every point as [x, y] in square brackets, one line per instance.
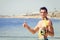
[25, 25]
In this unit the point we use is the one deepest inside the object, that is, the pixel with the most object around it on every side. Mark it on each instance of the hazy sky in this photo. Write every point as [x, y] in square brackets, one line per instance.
[19, 7]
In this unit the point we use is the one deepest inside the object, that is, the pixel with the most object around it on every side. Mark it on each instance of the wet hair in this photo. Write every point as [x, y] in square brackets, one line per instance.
[43, 8]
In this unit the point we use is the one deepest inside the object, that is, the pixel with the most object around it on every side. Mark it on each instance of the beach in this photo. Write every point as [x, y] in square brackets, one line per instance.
[55, 15]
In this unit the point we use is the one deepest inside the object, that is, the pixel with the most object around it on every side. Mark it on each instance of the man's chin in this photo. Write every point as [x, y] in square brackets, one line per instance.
[43, 17]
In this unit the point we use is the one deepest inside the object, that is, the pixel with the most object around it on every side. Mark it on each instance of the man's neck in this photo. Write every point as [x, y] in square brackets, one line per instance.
[45, 18]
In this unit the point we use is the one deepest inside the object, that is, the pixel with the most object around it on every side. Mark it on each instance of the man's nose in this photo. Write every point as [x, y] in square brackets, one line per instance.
[42, 13]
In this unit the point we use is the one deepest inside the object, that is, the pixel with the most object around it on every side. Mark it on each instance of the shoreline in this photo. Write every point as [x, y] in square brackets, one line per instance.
[30, 17]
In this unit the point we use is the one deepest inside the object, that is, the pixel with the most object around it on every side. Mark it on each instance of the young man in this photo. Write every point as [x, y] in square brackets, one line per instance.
[44, 27]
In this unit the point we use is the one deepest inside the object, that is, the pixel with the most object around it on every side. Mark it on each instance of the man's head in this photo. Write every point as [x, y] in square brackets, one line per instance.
[43, 12]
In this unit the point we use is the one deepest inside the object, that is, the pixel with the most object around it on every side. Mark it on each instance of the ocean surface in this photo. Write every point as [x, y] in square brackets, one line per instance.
[12, 29]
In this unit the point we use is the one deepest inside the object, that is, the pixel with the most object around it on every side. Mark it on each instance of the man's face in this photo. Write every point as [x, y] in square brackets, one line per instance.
[43, 13]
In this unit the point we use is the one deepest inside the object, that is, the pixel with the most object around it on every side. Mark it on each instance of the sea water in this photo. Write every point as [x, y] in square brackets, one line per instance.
[12, 29]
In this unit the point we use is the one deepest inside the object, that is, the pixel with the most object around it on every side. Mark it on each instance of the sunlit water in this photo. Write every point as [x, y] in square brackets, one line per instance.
[12, 29]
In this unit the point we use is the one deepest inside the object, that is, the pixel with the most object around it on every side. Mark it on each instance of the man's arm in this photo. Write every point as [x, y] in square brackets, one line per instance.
[50, 29]
[33, 31]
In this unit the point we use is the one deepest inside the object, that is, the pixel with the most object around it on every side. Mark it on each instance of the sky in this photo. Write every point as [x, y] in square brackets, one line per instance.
[21, 7]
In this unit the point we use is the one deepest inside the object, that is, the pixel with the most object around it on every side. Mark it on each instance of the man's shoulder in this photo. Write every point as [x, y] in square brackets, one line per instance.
[49, 20]
[39, 22]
